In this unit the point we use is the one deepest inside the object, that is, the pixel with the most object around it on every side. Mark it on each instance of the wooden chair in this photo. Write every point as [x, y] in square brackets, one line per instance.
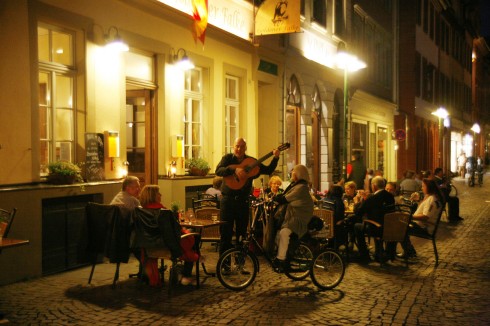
[6, 220]
[326, 216]
[212, 233]
[394, 228]
[205, 200]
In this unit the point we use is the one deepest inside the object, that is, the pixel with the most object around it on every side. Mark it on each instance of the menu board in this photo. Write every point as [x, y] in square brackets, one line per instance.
[94, 161]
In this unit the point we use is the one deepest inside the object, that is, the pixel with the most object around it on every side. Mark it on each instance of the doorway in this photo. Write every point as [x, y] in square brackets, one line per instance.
[141, 135]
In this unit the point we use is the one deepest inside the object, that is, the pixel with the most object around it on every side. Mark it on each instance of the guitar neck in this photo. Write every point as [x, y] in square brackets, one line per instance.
[260, 160]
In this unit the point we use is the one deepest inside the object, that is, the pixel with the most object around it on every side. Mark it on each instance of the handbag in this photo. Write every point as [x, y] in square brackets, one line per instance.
[279, 215]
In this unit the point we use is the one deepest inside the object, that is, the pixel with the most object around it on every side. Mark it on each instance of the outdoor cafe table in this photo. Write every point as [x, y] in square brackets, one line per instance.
[10, 243]
[6, 243]
[199, 225]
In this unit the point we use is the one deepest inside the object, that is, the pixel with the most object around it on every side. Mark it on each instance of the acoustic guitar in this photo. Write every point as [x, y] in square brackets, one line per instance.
[251, 167]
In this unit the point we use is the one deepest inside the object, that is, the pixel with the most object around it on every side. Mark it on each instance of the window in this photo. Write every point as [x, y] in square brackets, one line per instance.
[56, 96]
[193, 104]
[359, 138]
[339, 18]
[232, 110]
[320, 12]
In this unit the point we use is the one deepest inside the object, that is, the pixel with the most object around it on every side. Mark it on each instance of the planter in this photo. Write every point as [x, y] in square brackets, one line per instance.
[60, 179]
[198, 172]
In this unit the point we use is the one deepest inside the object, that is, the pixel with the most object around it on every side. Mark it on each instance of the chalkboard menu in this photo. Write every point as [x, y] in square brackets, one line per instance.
[94, 162]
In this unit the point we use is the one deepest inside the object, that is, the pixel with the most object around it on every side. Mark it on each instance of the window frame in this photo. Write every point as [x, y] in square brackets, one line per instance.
[53, 70]
[229, 103]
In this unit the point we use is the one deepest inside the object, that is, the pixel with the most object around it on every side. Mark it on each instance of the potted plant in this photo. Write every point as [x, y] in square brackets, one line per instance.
[198, 167]
[64, 172]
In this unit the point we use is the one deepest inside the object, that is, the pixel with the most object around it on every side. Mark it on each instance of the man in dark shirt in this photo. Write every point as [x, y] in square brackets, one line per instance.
[236, 188]
[374, 208]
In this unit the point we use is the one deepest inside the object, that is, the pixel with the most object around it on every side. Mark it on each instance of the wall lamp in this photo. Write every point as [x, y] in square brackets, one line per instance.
[112, 39]
[181, 60]
[115, 41]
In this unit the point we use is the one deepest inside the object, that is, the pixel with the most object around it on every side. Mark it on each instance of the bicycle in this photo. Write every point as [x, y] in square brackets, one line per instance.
[237, 267]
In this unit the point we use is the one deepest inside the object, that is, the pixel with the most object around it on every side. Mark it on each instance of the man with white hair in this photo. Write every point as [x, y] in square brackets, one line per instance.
[373, 207]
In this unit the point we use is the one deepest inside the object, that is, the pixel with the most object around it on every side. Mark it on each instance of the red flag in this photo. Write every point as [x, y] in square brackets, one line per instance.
[200, 15]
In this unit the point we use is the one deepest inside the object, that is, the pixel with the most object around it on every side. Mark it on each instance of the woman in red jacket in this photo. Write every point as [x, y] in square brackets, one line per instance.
[150, 197]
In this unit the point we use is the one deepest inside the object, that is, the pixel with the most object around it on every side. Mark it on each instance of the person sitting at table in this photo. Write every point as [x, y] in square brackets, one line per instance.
[374, 208]
[425, 216]
[274, 188]
[349, 194]
[215, 190]
[299, 212]
[151, 198]
[392, 189]
[128, 196]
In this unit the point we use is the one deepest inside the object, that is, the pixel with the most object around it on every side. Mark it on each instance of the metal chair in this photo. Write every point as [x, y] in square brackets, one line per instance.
[430, 235]
[109, 231]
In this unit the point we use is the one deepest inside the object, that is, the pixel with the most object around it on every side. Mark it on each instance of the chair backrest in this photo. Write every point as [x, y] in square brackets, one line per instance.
[211, 201]
[99, 218]
[436, 225]
[206, 213]
[327, 217]
[395, 225]
[6, 220]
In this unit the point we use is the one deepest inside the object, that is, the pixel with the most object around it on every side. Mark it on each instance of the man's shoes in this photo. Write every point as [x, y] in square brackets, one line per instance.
[187, 280]
[456, 219]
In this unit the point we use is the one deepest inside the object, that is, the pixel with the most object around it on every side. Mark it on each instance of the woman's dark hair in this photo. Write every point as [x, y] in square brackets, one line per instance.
[336, 191]
[432, 188]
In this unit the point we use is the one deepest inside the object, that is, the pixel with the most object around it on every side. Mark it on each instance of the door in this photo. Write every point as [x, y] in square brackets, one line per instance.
[141, 135]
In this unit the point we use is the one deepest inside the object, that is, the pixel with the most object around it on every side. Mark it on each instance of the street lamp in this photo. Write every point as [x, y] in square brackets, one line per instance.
[442, 114]
[348, 63]
[476, 130]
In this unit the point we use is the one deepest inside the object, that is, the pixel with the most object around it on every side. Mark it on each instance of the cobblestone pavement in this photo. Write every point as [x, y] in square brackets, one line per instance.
[457, 292]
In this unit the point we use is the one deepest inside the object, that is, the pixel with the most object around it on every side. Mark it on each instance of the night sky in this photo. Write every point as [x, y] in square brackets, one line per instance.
[485, 18]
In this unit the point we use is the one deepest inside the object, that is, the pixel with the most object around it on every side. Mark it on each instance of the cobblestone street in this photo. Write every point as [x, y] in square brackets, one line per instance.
[457, 292]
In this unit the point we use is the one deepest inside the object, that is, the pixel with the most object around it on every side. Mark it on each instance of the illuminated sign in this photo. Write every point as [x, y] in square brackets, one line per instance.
[233, 16]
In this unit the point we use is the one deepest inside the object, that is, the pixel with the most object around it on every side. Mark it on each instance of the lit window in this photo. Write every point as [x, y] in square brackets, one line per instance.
[56, 96]
[232, 110]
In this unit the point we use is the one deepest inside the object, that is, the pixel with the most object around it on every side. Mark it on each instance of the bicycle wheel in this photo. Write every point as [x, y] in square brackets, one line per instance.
[327, 270]
[299, 266]
[236, 269]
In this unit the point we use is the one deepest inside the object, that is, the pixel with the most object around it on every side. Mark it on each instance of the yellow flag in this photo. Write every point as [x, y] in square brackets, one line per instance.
[278, 17]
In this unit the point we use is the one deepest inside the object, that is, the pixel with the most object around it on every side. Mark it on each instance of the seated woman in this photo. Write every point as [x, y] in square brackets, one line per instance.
[350, 193]
[425, 217]
[298, 213]
[150, 197]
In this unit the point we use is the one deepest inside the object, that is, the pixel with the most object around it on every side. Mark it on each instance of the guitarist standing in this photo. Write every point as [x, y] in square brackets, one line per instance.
[238, 170]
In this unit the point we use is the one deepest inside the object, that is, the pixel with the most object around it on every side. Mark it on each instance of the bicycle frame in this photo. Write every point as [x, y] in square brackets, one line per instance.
[251, 235]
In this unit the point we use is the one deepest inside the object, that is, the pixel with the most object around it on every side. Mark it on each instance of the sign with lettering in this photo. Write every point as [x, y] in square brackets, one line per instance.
[400, 135]
[94, 161]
